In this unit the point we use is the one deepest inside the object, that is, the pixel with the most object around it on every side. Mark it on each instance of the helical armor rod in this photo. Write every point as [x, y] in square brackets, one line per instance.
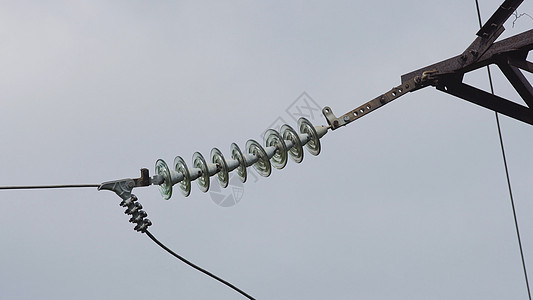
[278, 147]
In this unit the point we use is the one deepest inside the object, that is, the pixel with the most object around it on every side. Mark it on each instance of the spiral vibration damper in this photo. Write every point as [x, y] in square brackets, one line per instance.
[278, 147]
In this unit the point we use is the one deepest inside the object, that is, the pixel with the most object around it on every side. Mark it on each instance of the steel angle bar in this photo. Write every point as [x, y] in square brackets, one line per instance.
[521, 42]
[518, 80]
[482, 98]
[499, 17]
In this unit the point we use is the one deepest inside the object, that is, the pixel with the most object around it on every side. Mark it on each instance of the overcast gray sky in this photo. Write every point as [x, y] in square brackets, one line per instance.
[409, 202]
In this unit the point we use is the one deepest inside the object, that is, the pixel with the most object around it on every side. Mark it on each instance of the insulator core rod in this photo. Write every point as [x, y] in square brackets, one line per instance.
[250, 159]
[175, 177]
[195, 173]
[232, 164]
[278, 147]
[304, 138]
[270, 151]
[288, 144]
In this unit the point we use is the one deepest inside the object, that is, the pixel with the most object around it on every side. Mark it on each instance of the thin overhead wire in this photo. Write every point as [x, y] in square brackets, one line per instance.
[506, 170]
[58, 186]
[197, 267]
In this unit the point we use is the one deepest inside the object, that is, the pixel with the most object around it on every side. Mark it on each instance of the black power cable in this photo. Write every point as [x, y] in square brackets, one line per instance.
[138, 216]
[58, 186]
[197, 267]
[507, 170]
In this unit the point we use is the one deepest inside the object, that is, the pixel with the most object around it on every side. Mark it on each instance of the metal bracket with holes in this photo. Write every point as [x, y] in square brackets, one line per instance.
[393, 94]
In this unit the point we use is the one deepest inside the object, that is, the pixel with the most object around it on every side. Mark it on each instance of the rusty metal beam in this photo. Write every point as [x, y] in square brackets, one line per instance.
[521, 42]
[518, 80]
[464, 91]
[509, 54]
[499, 17]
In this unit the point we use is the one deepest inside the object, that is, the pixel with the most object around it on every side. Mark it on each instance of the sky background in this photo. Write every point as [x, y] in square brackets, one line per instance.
[409, 202]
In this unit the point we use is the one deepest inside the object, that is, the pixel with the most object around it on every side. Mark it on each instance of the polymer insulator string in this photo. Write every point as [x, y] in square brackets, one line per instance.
[506, 170]
[278, 146]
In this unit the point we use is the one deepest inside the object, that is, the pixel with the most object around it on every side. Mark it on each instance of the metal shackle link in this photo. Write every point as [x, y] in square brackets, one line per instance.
[278, 147]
